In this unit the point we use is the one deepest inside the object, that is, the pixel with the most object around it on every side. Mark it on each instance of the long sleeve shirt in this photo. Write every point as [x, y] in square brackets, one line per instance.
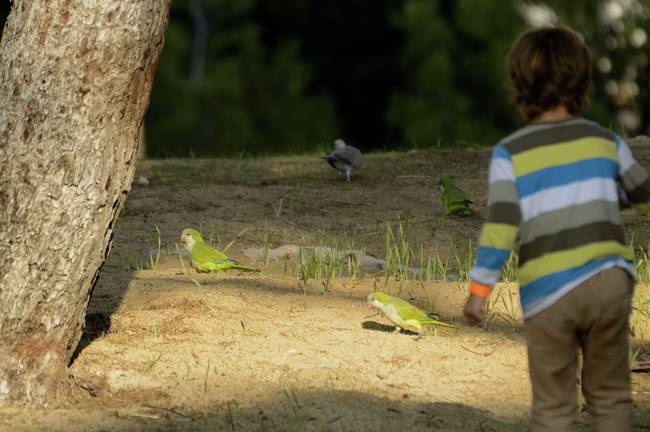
[553, 187]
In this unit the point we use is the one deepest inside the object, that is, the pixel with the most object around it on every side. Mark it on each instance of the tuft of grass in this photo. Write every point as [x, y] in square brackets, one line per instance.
[152, 362]
[180, 258]
[464, 261]
[641, 254]
[205, 379]
[295, 198]
[510, 305]
[633, 355]
[643, 265]
[136, 262]
[510, 274]
[490, 304]
[155, 259]
[399, 252]
[320, 263]
[156, 331]
[296, 408]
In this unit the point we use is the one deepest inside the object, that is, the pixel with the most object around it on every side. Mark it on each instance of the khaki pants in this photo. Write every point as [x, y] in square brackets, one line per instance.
[593, 316]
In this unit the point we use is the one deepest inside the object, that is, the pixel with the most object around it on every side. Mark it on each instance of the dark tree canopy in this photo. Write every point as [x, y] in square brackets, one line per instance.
[250, 77]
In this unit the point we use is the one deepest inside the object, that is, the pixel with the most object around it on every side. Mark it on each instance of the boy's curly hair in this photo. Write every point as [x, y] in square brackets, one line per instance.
[549, 67]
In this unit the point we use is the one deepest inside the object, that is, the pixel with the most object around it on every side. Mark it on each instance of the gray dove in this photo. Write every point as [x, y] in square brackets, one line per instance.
[344, 158]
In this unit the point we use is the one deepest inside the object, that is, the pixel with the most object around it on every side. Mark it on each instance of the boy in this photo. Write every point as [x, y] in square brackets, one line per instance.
[553, 185]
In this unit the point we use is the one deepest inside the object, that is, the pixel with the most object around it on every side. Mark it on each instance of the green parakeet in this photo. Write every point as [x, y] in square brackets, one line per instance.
[454, 200]
[403, 314]
[205, 258]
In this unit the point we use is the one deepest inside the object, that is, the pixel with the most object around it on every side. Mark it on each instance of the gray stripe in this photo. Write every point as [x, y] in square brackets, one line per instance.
[635, 175]
[570, 238]
[506, 213]
[535, 127]
[640, 194]
[558, 134]
[503, 191]
[569, 217]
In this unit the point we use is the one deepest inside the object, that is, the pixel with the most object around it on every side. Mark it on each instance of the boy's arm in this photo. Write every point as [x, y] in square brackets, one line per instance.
[633, 177]
[499, 232]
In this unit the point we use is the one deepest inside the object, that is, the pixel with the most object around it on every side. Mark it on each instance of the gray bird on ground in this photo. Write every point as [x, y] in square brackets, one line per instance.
[344, 158]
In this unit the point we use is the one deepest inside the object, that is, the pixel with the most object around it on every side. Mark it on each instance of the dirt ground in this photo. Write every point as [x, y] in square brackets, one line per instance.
[166, 349]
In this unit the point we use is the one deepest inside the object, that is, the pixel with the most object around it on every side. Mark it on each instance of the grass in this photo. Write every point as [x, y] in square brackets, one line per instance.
[298, 416]
[135, 262]
[323, 264]
[510, 273]
[405, 260]
[205, 379]
[510, 305]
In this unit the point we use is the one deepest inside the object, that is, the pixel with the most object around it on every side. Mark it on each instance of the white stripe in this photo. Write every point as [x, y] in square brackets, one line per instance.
[625, 158]
[575, 193]
[501, 169]
[549, 300]
[484, 275]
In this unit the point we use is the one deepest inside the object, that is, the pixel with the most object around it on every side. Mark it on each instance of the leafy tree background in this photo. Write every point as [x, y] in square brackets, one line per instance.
[254, 77]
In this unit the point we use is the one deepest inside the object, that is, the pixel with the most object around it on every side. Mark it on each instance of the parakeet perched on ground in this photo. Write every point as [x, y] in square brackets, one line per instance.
[454, 200]
[344, 158]
[205, 258]
[403, 314]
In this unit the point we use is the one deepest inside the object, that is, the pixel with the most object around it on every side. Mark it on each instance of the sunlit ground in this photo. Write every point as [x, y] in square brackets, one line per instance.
[291, 348]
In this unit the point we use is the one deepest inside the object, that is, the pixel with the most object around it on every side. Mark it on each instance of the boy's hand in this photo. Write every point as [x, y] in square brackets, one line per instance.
[473, 310]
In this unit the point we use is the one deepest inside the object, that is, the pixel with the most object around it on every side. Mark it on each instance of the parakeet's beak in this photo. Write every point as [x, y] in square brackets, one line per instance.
[182, 239]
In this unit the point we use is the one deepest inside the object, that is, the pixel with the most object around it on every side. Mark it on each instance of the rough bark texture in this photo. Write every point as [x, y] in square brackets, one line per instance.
[75, 79]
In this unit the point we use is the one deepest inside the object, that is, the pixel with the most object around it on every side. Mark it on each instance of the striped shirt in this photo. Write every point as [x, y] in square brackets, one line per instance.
[553, 186]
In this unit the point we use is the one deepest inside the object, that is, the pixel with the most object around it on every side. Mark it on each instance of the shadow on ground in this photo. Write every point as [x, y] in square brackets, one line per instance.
[318, 410]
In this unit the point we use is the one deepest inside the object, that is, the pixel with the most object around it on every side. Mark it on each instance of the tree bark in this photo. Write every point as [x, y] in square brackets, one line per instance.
[75, 80]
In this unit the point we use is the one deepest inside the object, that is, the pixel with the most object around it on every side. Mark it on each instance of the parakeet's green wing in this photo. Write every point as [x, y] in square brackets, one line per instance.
[204, 252]
[409, 312]
[454, 199]
[207, 258]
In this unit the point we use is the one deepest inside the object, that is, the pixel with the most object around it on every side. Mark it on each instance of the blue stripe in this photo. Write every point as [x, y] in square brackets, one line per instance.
[491, 258]
[564, 174]
[547, 285]
[500, 151]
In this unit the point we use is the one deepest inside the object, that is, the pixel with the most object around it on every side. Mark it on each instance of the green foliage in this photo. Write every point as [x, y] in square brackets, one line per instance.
[248, 77]
[247, 101]
[453, 58]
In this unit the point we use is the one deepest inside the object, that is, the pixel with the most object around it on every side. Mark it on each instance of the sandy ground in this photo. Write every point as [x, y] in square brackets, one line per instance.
[166, 350]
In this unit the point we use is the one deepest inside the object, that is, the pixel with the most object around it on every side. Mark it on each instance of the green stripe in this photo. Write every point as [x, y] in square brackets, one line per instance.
[563, 153]
[571, 238]
[506, 213]
[557, 134]
[569, 217]
[503, 191]
[564, 260]
[498, 235]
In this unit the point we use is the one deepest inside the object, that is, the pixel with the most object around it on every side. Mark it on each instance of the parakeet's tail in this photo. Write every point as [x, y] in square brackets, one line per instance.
[244, 268]
[459, 209]
[433, 321]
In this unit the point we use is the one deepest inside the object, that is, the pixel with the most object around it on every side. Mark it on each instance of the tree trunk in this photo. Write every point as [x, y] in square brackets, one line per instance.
[75, 79]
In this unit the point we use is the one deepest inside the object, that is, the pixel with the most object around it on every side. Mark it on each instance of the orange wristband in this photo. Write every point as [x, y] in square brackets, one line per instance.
[479, 289]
